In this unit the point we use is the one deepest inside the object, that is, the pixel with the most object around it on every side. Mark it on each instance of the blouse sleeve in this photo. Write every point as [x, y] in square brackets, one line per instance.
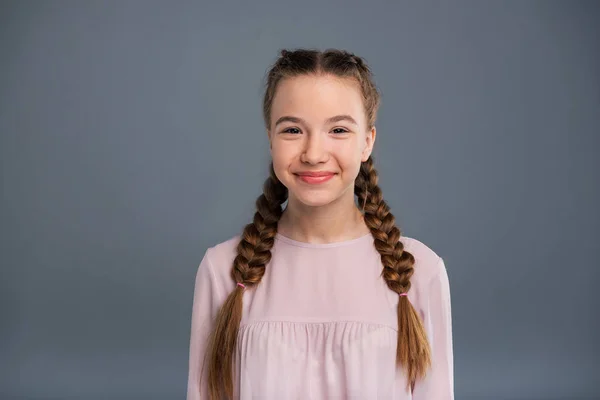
[206, 303]
[439, 382]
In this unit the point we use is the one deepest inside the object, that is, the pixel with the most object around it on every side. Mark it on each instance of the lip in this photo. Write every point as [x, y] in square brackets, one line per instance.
[316, 173]
[314, 179]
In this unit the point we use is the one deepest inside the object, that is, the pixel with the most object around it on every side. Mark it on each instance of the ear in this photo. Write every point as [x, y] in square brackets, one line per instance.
[269, 138]
[369, 143]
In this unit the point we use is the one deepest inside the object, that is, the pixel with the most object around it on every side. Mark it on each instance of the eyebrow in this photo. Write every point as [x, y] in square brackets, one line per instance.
[336, 118]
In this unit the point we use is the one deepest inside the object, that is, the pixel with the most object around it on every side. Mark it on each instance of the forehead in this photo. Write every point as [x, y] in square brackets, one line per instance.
[317, 98]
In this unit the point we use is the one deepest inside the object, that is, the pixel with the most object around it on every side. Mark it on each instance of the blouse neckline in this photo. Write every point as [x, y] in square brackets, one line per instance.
[343, 243]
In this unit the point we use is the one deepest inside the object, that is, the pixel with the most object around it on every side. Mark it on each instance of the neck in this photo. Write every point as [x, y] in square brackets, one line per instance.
[334, 222]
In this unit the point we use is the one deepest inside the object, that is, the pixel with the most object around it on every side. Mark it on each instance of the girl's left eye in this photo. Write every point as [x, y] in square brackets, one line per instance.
[342, 130]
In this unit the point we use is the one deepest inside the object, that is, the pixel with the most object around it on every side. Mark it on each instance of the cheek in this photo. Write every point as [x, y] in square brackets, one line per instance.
[348, 158]
[282, 161]
[281, 158]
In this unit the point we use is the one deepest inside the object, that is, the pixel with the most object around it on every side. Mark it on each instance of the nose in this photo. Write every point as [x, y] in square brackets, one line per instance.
[315, 149]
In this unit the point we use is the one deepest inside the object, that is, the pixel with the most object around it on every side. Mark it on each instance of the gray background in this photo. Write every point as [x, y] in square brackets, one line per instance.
[131, 140]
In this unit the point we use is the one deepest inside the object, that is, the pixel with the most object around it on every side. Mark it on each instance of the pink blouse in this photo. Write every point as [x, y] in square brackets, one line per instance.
[322, 324]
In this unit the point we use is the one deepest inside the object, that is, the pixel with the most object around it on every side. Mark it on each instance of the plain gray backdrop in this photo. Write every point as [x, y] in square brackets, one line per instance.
[131, 140]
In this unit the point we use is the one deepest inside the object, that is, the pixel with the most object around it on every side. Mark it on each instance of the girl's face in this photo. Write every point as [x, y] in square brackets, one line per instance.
[318, 124]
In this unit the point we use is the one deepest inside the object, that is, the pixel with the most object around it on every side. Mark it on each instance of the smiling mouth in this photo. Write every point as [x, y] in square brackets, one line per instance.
[313, 179]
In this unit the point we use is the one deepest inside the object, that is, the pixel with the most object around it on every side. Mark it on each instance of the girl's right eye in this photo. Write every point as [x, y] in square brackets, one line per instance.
[288, 130]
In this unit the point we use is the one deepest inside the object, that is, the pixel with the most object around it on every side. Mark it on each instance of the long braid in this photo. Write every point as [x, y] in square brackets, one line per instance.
[254, 253]
[413, 352]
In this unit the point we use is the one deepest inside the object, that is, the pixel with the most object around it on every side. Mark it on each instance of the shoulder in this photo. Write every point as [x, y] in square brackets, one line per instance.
[430, 279]
[219, 260]
[223, 251]
[428, 264]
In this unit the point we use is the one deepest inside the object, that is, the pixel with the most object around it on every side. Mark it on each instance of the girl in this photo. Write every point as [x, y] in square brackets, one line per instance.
[322, 299]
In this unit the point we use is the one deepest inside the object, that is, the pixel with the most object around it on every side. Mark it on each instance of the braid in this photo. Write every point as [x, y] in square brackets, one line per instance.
[413, 352]
[358, 61]
[254, 252]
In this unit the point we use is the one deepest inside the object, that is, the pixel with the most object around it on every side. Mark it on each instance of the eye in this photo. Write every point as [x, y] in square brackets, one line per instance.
[288, 130]
[342, 130]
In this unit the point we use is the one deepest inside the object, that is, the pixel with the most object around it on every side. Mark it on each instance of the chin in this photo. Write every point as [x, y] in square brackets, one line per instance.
[315, 203]
[314, 199]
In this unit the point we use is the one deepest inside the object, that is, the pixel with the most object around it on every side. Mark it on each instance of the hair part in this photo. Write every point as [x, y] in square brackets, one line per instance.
[258, 237]
[332, 62]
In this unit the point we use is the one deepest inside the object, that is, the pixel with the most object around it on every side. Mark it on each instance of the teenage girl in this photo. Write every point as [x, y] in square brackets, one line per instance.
[323, 298]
